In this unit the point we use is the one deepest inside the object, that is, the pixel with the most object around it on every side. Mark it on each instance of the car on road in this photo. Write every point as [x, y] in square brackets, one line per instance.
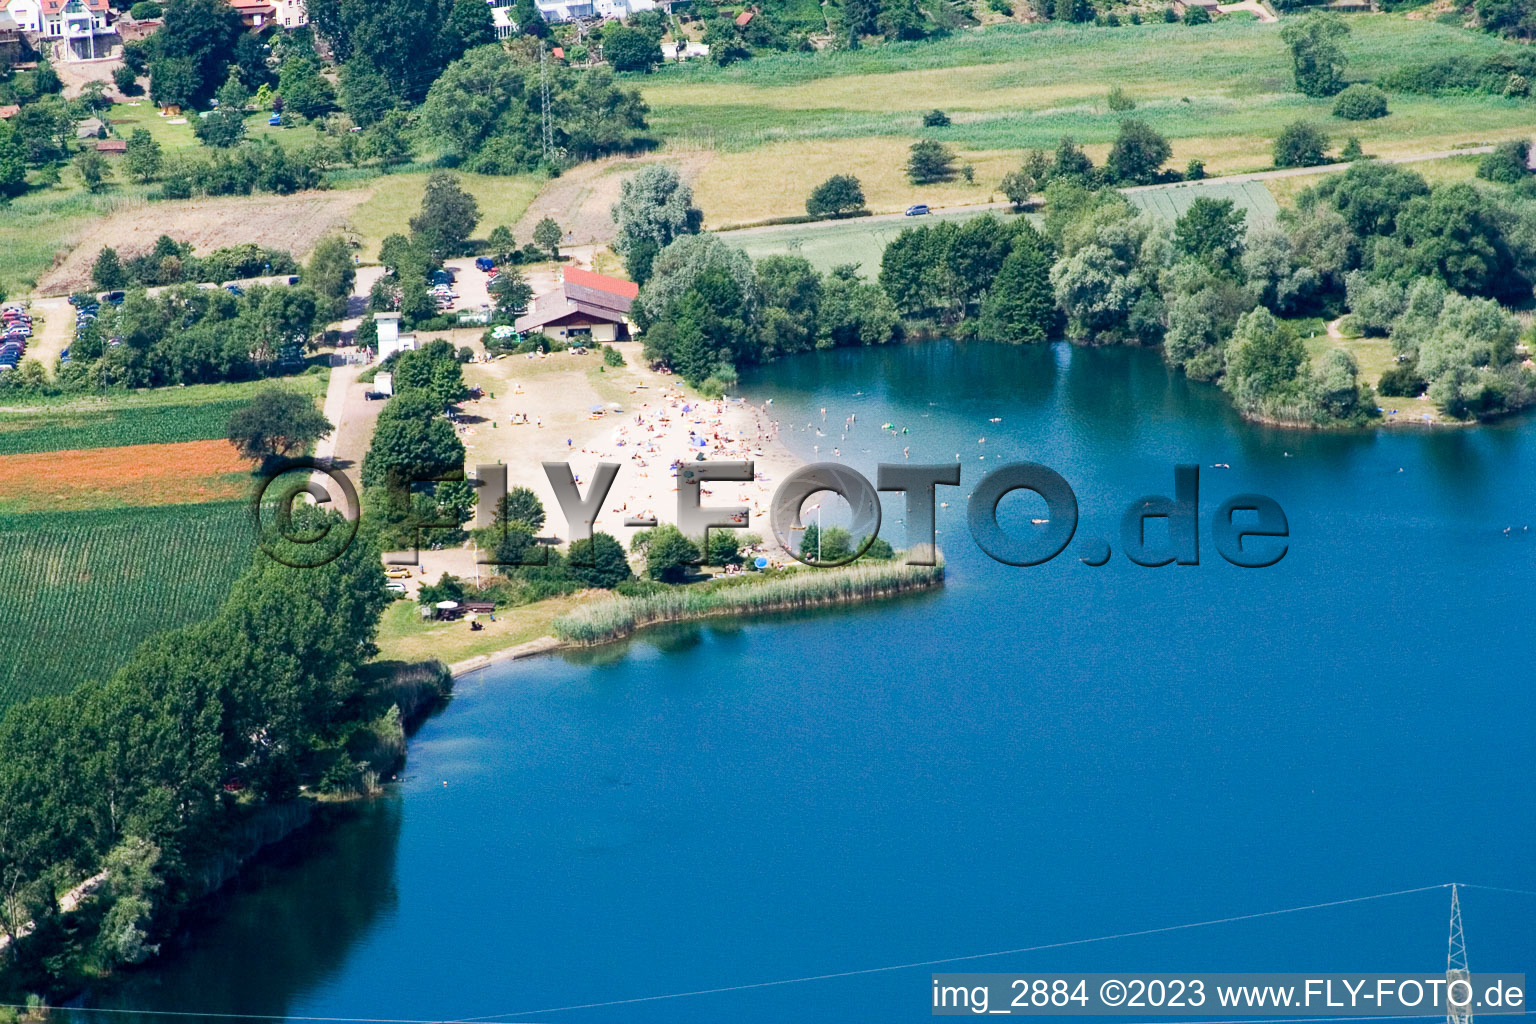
[918, 210]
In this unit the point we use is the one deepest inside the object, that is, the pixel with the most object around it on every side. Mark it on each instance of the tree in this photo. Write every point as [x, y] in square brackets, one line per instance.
[1020, 306]
[386, 141]
[332, 274]
[853, 311]
[276, 423]
[126, 80]
[1360, 102]
[1264, 360]
[521, 507]
[469, 25]
[1454, 234]
[930, 162]
[196, 45]
[448, 215]
[1211, 231]
[1301, 144]
[1317, 61]
[935, 119]
[838, 196]
[93, 170]
[628, 49]
[1368, 195]
[13, 165]
[1195, 14]
[143, 159]
[546, 235]
[108, 271]
[365, 93]
[600, 562]
[222, 129]
[669, 556]
[412, 436]
[1507, 164]
[655, 206]
[511, 293]
[1138, 154]
[501, 244]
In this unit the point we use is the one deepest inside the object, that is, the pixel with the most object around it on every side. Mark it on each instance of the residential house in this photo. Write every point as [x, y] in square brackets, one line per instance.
[12, 46]
[586, 306]
[557, 11]
[82, 24]
[501, 18]
[291, 13]
[621, 9]
[255, 14]
[27, 14]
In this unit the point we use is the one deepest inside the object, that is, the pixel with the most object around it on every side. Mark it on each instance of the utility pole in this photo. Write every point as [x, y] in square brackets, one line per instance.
[547, 126]
[1456, 969]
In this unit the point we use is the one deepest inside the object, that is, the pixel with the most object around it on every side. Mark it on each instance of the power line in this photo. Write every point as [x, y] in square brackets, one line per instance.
[949, 960]
[500, 1018]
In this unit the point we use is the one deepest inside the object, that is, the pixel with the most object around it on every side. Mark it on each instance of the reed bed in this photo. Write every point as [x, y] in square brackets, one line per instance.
[615, 619]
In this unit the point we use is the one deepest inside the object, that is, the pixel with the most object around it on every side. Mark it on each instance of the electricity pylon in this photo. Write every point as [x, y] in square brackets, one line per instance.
[1456, 969]
[548, 128]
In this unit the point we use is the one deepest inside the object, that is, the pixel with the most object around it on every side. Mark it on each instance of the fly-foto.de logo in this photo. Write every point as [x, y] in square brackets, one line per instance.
[1247, 530]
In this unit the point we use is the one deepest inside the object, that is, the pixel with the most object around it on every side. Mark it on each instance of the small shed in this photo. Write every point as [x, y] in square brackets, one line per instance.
[479, 607]
[744, 18]
[112, 147]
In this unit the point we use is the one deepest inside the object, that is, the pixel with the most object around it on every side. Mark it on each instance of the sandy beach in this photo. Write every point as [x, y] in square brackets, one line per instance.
[567, 408]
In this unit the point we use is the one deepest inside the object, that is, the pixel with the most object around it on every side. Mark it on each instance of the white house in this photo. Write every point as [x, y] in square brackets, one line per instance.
[291, 13]
[390, 338]
[621, 9]
[501, 17]
[27, 14]
[557, 11]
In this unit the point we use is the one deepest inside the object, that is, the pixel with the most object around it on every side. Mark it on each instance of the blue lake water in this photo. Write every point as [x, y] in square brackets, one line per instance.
[1029, 756]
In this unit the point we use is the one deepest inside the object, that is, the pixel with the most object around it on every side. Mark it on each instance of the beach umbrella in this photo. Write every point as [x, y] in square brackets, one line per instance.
[447, 606]
[596, 408]
[761, 562]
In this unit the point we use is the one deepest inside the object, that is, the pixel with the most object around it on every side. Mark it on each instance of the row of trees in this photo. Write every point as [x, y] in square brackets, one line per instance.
[706, 308]
[145, 775]
[171, 262]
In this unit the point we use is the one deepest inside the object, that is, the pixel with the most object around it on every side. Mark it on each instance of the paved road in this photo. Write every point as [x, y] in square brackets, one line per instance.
[978, 208]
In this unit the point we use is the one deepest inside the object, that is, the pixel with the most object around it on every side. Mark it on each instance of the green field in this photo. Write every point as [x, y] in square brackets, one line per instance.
[1225, 87]
[828, 244]
[82, 589]
[1169, 202]
[162, 416]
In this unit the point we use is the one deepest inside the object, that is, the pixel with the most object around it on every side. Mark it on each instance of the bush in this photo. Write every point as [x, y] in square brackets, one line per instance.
[598, 562]
[1002, 7]
[1360, 103]
[1301, 144]
[1507, 163]
[1119, 101]
[930, 162]
[145, 10]
[1402, 381]
[935, 119]
[612, 356]
[1194, 14]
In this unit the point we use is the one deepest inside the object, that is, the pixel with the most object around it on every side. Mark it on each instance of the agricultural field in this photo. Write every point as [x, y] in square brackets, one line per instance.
[1219, 92]
[1169, 202]
[827, 244]
[164, 416]
[82, 589]
[393, 199]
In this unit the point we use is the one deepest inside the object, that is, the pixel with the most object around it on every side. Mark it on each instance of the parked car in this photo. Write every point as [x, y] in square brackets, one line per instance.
[399, 573]
[116, 298]
[918, 210]
[234, 289]
[394, 587]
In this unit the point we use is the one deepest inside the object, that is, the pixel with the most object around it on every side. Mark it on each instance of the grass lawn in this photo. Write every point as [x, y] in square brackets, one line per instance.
[1374, 356]
[403, 635]
[173, 137]
[1221, 92]
[397, 198]
[84, 588]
